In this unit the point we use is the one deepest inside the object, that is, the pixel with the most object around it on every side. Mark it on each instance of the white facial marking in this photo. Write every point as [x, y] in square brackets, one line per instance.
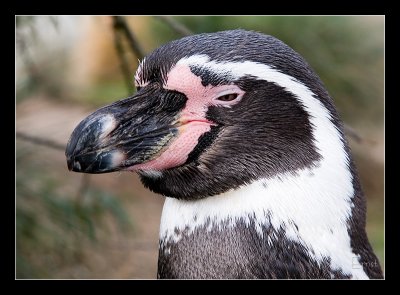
[77, 165]
[117, 158]
[108, 124]
[318, 200]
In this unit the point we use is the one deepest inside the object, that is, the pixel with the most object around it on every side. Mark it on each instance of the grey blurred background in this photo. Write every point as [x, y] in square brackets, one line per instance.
[70, 225]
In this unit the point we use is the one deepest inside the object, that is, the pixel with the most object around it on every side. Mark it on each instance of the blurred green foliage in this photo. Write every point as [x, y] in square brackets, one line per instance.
[375, 227]
[53, 228]
[105, 92]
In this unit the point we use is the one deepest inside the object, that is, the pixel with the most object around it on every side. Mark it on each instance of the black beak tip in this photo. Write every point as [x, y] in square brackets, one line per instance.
[92, 162]
[73, 165]
[69, 154]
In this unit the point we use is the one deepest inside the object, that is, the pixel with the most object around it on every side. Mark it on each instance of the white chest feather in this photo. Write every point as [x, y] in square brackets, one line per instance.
[312, 204]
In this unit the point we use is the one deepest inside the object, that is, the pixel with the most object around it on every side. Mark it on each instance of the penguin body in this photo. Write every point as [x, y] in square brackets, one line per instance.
[240, 135]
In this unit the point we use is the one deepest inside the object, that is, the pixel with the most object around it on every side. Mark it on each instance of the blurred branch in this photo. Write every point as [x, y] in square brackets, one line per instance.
[83, 187]
[175, 25]
[121, 29]
[352, 133]
[121, 26]
[40, 141]
[123, 61]
[85, 181]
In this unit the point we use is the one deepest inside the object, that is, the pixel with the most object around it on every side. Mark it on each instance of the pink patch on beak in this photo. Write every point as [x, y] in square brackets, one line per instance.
[193, 116]
[177, 153]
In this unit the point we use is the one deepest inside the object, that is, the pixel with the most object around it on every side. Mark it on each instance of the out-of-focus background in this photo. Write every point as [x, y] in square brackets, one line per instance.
[70, 225]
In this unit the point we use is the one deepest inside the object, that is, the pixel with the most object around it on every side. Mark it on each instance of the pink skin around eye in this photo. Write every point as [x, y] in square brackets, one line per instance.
[193, 116]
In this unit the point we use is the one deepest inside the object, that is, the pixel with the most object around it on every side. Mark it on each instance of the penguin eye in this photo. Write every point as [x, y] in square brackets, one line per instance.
[138, 88]
[228, 97]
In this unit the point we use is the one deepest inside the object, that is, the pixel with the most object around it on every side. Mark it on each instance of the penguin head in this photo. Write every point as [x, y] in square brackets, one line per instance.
[212, 112]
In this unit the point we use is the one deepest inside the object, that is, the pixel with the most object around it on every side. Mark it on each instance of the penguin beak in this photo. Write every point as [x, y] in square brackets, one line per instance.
[128, 132]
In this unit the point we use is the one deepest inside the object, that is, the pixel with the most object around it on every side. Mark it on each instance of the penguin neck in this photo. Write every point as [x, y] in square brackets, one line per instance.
[308, 204]
[308, 210]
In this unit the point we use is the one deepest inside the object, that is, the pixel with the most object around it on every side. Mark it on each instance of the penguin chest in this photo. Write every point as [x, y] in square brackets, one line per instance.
[206, 252]
[243, 250]
[263, 230]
